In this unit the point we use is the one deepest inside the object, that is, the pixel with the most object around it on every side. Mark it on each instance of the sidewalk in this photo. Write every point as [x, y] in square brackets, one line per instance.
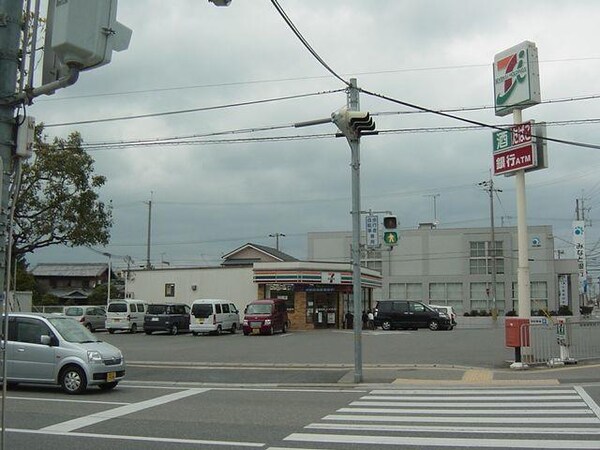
[456, 376]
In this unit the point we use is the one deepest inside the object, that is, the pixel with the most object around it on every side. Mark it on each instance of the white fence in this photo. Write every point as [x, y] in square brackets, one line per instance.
[565, 341]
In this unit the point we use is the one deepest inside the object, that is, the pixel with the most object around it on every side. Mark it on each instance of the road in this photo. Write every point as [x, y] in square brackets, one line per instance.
[164, 417]
[295, 391]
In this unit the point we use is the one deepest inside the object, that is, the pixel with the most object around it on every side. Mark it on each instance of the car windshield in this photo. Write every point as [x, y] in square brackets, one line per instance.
[71, 330]
[201, 310]
[157, 309]
[259, 308]
[74, 311]
[117, 307]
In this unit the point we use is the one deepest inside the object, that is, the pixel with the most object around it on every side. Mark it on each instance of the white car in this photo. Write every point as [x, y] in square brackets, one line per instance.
[448, 310]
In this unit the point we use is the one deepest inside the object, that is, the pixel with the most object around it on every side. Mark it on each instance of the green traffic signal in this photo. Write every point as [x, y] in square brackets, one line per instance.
[390, 237]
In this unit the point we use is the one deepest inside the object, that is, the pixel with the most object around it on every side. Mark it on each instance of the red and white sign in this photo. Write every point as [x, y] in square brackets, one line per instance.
[518, 158]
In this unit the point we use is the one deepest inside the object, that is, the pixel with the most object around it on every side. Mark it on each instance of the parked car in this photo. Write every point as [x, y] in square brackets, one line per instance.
[214, 316]
[91, 317]
[390, 314]
[265, 317]
[126, 315]
[448, 310]
[171, 317]
[58, 350]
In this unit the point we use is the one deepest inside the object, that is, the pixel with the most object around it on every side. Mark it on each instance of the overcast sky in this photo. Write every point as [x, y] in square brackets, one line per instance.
[210, 198]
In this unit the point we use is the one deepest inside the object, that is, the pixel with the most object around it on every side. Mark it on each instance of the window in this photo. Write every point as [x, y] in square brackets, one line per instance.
[30, 330]
[449, 294]
[226, 308]
[481, 298]
[538, 293]
[481, 254]
[406, 291]
[170, 290]
[218, 308]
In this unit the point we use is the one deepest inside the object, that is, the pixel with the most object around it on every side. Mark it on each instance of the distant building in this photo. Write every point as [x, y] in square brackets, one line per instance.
[452, 266]
[318, 294]
[71, 283]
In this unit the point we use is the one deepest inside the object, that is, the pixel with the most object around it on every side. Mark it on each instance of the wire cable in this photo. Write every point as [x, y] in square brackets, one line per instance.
[305, 42]
[186, 111]
[472, 122]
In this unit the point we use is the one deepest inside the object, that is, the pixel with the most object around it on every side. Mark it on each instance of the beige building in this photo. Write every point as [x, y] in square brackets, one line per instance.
[453, 266]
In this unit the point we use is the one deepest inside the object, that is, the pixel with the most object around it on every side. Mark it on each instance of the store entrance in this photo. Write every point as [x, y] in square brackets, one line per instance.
[325, 309]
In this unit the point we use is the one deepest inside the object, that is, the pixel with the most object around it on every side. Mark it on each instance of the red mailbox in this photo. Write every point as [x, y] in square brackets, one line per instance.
[516, 332]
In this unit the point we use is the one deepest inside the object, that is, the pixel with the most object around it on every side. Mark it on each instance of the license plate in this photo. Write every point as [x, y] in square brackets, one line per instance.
[111, 376]
[155, 319]
[255, 330]
[199, 320]
[117, 320]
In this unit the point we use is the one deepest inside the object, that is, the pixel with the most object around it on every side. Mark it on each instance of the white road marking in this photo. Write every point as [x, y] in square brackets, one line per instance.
[450, 429]
[199, 442]
[445, 441]
[102, 416]
[468, 404]
[66, 400]
[523, 420]
[588, 400]
[467, 412]
[459, 392]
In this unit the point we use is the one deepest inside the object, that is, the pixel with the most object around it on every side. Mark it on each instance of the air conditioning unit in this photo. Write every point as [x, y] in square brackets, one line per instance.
[194, 287]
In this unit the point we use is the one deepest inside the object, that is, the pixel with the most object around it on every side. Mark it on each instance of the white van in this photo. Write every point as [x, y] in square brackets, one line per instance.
[126, 314]
[214, 316]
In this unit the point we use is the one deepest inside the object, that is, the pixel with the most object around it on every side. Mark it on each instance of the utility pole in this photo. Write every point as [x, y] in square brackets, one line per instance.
[489, 187]
[277, 236]
[148, 265]
[353, 104]
[10, 39]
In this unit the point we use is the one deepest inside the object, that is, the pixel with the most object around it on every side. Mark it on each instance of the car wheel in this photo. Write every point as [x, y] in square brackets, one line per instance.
[285, 327]
[272, 330]
[148, 332]
[108, 386]
[433, 325]
[133, 329]
[386, 325]
[195, 333]
[233, 328]
[246, 333]
[72, 380]
[111, 331]
[174, 330]
[90, 327]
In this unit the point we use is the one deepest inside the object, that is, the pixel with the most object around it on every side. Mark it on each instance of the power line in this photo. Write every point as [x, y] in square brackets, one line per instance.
[186, 111]
[312, 51]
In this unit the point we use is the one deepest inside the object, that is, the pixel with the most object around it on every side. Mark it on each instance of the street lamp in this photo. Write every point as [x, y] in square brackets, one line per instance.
[109, 256]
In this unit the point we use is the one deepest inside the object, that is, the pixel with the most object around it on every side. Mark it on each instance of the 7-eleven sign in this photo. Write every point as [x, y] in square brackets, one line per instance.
[516, 78]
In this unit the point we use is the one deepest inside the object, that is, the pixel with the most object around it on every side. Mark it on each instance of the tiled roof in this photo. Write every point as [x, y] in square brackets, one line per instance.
[69, 270]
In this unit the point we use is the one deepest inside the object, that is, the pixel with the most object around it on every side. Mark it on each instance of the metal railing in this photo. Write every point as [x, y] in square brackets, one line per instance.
[564, 341]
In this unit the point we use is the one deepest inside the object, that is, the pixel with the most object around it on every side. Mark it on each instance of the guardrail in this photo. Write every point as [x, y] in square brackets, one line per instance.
[565, 341]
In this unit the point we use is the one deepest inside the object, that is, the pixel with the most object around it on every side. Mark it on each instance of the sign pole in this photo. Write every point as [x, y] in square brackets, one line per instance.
[523, 280]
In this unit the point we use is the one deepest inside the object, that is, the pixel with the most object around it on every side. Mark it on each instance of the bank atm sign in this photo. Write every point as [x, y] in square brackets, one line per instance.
[514, 149]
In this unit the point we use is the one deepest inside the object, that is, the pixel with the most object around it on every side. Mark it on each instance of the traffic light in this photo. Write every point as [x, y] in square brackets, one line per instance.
[353, 124]
[390, 230]
[84, 33]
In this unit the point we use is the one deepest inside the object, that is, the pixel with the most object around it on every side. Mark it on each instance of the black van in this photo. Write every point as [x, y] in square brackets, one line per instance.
[390, 314]
[171, 317]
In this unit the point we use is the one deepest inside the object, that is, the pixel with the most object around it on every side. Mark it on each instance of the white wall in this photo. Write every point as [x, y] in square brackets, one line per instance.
[234, 284]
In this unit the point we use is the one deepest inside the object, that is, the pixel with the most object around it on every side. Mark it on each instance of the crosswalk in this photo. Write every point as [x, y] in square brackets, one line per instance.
[549, 418]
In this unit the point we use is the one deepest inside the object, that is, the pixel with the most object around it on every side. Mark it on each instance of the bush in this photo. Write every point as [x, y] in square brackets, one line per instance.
[511, 313]
[564, 311]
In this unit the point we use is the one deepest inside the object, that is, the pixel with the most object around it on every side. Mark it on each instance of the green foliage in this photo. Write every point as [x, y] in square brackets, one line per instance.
[98, 295]
[58, 201]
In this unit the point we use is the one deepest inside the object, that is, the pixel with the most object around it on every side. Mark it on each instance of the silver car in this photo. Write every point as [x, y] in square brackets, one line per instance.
[54, 349]
[91, 317]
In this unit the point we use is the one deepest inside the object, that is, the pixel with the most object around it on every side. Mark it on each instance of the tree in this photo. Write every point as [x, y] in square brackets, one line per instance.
[58, 201]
